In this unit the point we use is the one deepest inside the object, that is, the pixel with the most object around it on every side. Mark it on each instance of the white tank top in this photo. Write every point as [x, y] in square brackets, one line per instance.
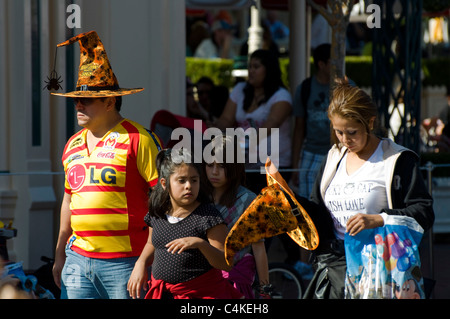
[364, 191]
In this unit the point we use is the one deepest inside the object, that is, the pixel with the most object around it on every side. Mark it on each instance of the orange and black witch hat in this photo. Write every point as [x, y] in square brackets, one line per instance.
[95, 76]
[273, 212]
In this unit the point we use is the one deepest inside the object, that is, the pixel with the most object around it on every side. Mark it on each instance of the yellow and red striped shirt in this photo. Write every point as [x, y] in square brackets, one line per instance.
[109, 190]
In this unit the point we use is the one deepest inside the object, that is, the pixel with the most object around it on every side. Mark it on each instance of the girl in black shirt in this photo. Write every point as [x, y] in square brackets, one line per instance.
[186, 239]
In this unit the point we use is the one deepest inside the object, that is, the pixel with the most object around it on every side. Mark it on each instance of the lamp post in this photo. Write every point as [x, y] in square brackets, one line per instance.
[255, 31]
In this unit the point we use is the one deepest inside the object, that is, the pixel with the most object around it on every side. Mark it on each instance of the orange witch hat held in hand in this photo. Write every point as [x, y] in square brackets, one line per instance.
[95, 76]
[273, 212]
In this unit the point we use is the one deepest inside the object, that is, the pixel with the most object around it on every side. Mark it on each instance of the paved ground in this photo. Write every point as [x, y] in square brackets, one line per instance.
[439, 269]
[435, 265]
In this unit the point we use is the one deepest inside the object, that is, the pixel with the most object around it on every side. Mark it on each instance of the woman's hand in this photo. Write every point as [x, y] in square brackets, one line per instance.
[359, 222]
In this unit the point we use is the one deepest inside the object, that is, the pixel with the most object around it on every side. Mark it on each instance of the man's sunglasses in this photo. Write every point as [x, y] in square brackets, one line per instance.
[84, 101]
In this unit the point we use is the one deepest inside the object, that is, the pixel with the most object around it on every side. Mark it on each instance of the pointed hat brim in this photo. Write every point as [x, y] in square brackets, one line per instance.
[305, 235]
[268, 215]
[273, 212]
[100, 93]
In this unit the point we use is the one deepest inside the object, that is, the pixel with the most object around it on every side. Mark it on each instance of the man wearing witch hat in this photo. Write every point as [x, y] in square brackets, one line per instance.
[109, 168]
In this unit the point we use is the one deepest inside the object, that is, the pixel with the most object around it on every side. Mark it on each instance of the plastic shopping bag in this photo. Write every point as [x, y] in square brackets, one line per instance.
[384, 262]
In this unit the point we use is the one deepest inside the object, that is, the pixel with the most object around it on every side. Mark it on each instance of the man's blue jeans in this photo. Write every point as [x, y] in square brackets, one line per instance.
[92, 278]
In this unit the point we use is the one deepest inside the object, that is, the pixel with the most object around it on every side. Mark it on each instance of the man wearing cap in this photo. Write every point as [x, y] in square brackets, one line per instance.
[109, 168]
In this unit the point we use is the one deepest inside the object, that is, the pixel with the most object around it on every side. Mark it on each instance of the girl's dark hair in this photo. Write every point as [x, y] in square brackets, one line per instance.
[167, 161]
[234, 167]
[272, 81]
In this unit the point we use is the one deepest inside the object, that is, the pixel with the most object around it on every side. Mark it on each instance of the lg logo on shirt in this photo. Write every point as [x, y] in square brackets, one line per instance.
[76, 176]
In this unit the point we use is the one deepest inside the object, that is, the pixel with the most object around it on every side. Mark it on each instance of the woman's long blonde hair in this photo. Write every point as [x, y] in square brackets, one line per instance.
[350, 102]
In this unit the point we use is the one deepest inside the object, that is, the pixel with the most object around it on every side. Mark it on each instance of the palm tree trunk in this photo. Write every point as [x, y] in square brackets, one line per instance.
[337, 14]
[337, 54]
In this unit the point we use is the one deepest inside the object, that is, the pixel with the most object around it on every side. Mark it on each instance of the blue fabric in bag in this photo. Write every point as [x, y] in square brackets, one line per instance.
[384, 262]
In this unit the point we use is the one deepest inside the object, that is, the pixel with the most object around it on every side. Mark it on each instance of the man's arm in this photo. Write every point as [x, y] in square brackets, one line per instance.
[65, 230]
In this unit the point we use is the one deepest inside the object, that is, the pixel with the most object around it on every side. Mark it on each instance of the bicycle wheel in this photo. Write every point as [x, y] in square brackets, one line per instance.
[287, 282]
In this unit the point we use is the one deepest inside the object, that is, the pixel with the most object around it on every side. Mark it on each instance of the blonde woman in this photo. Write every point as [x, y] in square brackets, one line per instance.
[363, 179]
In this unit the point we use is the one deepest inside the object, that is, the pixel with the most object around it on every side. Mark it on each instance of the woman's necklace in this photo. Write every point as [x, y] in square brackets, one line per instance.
[257, 99]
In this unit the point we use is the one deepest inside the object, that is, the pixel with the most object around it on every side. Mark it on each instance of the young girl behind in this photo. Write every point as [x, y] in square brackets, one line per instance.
[231, 199]
[186, 239]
